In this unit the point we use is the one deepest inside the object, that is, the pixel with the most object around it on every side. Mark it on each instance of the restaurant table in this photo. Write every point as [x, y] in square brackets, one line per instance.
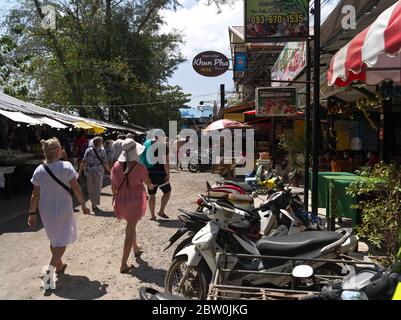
[6, 179]
[339, 203]
[323, 185]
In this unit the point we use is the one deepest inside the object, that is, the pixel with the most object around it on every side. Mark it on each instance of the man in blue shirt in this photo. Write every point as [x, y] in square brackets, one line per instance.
[159, 174]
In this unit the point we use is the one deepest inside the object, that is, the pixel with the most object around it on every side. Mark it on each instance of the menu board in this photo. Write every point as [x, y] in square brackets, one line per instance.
[276, 102]
[276, 20]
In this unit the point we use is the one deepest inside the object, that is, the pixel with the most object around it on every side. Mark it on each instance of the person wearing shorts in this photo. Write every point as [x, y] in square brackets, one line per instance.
[159, 174]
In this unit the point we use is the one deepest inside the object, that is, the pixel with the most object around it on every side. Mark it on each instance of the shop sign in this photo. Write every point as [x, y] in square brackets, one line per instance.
[276, 102]
[276, 20]
[240, 62]
[290, 63]
[235, 117]
[210, 63]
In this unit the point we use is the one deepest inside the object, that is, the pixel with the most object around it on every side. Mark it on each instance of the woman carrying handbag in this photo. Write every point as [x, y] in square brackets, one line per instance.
[130, 199]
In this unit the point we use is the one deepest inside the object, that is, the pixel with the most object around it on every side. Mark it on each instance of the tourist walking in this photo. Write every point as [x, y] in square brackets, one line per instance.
[54, 183]
[127, 183]
[94, 162]
[159, 174]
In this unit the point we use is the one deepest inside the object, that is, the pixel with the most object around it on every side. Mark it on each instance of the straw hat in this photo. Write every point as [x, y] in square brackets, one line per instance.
[131, 151]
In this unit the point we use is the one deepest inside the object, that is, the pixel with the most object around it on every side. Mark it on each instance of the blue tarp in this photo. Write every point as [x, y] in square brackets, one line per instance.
[192, 113]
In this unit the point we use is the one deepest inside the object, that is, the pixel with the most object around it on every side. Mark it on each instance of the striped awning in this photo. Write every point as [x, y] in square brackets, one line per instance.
[373, 55]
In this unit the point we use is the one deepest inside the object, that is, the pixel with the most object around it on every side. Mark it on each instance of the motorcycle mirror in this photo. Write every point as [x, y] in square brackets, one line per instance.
[302, 271]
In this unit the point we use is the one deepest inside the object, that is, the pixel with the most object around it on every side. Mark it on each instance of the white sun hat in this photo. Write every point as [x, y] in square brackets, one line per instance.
[131, 151]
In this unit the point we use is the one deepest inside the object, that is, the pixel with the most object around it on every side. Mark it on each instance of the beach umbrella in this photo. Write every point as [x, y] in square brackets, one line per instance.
[225, 124]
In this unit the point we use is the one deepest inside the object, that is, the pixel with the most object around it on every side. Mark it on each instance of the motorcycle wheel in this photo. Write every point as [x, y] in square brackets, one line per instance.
[185, 243]
[193, 168]
[196, 285]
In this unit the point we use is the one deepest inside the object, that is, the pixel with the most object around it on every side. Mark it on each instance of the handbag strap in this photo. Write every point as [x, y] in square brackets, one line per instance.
[57, 180]
[97, 155]
[126, 176]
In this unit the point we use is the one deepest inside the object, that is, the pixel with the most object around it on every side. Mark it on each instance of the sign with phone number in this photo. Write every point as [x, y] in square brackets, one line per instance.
[276, 20]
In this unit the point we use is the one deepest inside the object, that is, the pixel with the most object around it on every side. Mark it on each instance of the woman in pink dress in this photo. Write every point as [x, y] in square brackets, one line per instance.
[128, 177]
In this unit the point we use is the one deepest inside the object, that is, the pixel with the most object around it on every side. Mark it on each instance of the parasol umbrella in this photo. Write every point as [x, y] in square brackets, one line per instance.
[225, 124]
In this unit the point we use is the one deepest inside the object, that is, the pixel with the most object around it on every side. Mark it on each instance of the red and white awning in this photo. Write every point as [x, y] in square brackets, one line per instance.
[373, 55]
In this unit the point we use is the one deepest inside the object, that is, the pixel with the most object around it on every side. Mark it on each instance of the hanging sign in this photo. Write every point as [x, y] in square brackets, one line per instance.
[210, 63]
[290, 63]
[276, 102]
[240, 62]
[276, 20]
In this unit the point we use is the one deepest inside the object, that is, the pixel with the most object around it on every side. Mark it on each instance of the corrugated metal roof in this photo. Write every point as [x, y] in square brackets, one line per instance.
[9, 103]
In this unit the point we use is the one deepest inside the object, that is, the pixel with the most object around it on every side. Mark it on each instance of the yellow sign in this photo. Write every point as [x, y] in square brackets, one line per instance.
[235, 117]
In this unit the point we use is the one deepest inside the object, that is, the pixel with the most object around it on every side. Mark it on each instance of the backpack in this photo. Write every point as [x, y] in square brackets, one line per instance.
[143, 159]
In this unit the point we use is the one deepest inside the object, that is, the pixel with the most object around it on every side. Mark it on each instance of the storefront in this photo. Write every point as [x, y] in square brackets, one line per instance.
[372, 60]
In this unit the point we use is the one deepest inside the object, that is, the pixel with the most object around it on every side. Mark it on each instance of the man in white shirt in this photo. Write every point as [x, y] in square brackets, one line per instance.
[118, 147]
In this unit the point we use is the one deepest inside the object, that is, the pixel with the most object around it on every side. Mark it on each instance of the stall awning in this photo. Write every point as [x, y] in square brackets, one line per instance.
[51, 122]
[373, 55]
[20, 117]
[89, 126]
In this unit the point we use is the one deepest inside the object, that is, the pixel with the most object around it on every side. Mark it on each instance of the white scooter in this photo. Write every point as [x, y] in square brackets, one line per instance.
[191, 269]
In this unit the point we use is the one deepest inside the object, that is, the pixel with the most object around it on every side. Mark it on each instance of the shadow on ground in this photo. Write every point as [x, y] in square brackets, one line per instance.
[102, 213]
[20, 224]
[146, 273]
[169, 223]
[77, 288]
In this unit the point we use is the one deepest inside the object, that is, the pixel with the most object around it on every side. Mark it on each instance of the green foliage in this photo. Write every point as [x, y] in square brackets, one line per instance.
[12, 65]
[292, 145]
[380, 191]
[102, 53]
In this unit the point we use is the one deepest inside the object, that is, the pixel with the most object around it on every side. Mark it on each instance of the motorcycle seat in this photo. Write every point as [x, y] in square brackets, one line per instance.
[240, 198]
[242, 185]
[196, 215]
[294, 244]
[241, 227]
[217, 195]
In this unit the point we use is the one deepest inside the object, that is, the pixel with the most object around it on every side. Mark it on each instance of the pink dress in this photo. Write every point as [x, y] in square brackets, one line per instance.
[130, 202]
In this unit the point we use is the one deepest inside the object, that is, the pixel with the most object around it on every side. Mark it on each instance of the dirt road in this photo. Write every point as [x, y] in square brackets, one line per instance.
[94, 260]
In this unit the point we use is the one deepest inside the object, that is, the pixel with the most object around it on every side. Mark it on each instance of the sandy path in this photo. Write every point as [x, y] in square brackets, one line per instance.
[94, 260]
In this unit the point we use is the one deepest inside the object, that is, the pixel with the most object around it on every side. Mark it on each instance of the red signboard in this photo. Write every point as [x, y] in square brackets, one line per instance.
[210, 63]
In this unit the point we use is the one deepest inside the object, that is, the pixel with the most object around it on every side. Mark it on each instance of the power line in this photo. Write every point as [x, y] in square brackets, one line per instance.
[132, 104]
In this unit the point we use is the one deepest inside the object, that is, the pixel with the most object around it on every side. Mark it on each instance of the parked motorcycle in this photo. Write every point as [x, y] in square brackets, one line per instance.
[366, 284]
[202, 164]
[275, 218]
[191, 269]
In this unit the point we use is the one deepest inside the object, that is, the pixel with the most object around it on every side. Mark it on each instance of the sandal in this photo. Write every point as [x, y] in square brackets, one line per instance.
[62, 269]
[153, 218]
[126, 269]
[163, 215]
[138, 253]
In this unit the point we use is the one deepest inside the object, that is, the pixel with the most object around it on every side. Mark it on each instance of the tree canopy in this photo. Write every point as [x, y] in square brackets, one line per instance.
[100, 53]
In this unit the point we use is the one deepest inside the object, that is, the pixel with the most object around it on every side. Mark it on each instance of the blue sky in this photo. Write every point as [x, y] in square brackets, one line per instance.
[203, 30]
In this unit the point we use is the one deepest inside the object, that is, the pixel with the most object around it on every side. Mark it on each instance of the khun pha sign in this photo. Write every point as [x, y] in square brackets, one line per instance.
[210, 63]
